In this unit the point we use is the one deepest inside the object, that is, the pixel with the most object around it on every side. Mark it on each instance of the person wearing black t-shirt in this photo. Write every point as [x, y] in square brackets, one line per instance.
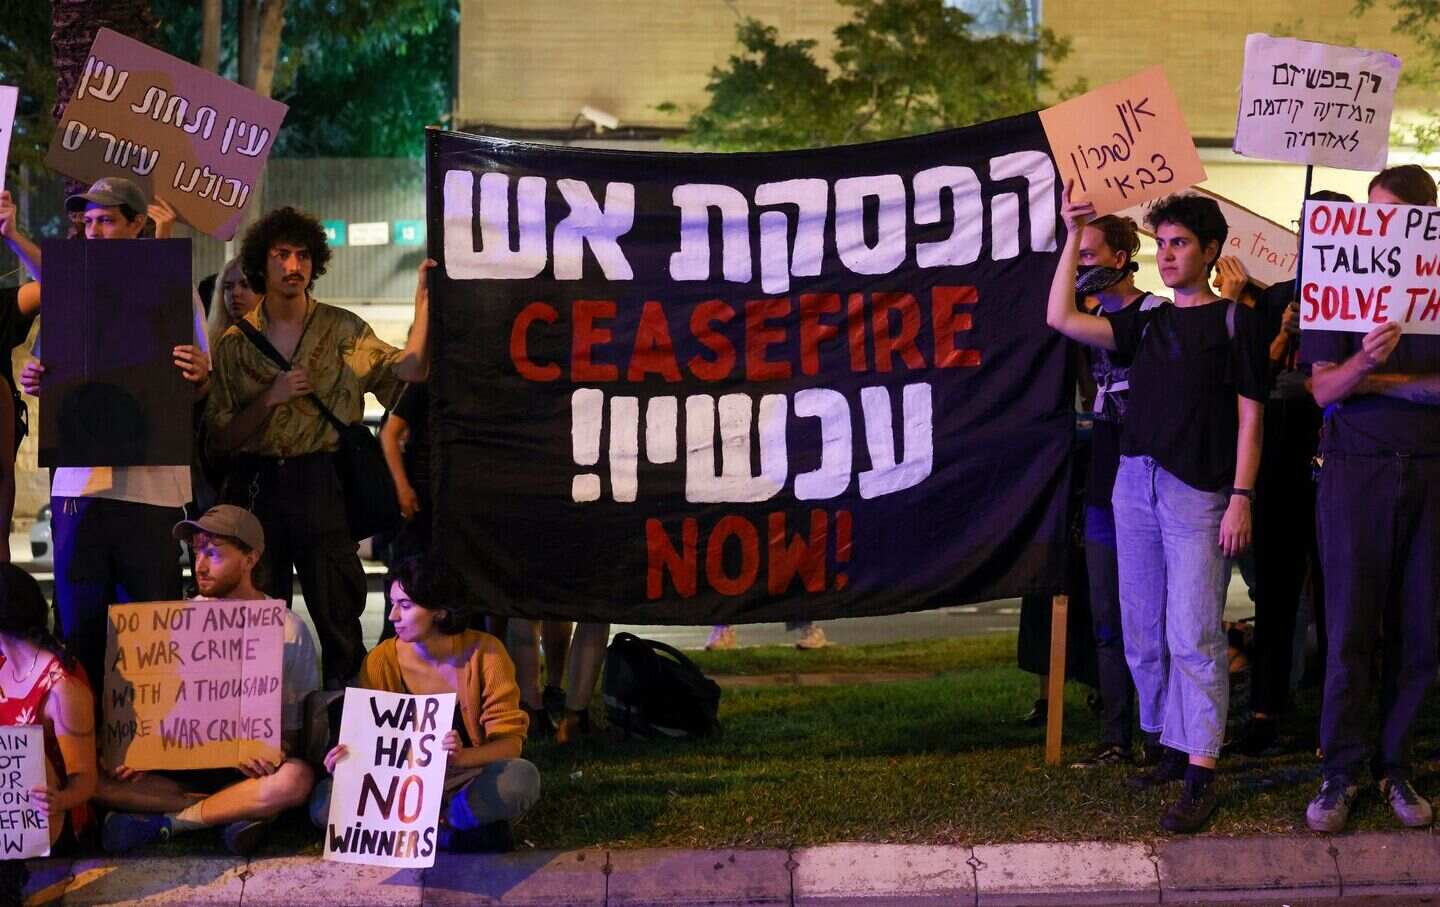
[1189, 453]
[18, 307]
[1378, 515]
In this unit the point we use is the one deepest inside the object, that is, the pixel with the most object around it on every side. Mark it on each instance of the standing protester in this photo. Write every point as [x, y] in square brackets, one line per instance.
[18, 306]
[153, 806]
[111, 525]
[1188, 458]
[1378, 515]
[1105, 285]
[487, 784]
[231, 299]
[281, 446]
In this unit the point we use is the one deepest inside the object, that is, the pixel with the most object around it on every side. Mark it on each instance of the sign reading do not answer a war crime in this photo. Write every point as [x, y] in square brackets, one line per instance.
[193, 684]
[687, 389]
[188, 136]
[1367, 265]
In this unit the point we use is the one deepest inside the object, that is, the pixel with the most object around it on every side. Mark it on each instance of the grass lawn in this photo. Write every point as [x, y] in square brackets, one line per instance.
[935, 760]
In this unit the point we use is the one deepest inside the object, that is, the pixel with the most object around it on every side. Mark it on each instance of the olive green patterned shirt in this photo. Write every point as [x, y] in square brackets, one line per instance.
[344, 360]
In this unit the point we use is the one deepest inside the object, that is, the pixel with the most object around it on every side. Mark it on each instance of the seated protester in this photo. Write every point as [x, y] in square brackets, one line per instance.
[1189, 453]
[228, 543]
[42, 684]
[487, 784]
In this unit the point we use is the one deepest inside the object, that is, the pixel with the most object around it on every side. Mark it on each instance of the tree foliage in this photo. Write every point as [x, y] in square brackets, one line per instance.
[900, 67]
[1419, 20]
[25, 63]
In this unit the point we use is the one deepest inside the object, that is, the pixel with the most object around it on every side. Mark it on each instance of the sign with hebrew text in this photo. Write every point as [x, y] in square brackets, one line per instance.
[183, 134]
[1311, 103]
[699, 388]
[193, 684]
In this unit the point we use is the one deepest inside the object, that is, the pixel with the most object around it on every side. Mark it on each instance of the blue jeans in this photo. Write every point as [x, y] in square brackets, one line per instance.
[1173, 578]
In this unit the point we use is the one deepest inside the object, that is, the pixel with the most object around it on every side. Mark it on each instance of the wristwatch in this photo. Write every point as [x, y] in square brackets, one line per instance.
[1246, 493]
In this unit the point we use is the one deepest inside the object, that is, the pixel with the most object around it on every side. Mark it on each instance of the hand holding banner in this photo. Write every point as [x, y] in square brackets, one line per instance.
[184, 134]
[1123, 143]
[385, 805]
[1367, 265]
[1311, 103]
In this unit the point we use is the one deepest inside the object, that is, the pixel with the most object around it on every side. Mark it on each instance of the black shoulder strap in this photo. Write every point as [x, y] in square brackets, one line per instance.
[267, 349]
[1230, 319]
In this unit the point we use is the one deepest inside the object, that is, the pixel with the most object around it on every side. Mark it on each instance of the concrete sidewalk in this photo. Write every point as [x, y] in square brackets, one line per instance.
[1274, 869]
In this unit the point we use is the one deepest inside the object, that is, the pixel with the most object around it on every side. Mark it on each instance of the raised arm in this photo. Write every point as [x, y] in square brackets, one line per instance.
[23, 247]
[1061, 312]
[414, 364]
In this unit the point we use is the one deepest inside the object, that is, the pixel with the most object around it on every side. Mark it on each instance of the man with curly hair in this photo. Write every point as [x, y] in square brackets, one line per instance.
[281, 446]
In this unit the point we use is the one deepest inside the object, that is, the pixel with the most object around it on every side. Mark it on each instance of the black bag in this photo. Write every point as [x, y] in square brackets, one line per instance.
[371, 506]
[654, 690]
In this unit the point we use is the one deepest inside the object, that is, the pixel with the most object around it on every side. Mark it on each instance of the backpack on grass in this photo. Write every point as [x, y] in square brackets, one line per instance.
[654, 690]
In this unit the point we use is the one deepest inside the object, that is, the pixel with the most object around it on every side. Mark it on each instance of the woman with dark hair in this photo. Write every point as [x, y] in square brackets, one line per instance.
[1189, 453]
[40, 684]
[487, 784]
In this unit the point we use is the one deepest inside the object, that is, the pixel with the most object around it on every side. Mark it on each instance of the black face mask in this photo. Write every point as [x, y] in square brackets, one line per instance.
[1091, 279]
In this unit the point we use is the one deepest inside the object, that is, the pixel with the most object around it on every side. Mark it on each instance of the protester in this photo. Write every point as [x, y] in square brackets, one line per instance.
[40, 683]
[405, 440]
[111, 525]
[1287, 558]
[722, 636]
[1188, 458]
[527, 638]
[1377, 508]
[18, 306]
[1105, 285]
[281, 446]
[487, 784]
[587, 660]
[231, 299]
[153, 806]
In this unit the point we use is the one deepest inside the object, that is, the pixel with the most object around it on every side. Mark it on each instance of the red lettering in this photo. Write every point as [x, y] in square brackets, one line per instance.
[1309, 294]
[760, 336]
[519, 342]
[654, 351]
[1385, 215]
[946, 323]
[705, 315]
[1320, 219]
[586, 336]
[744, 531]
[1345, 220]
[885, 347]
[1415, 295]
[813, 331]
[855, 331]
[789, 556]
[662, 557]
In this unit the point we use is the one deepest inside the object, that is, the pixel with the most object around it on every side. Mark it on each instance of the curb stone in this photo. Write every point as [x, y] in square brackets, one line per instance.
[526, 879]
[1293, 866]
[1388, 863]
[872, 874]
[312, 882]
[1065, 874]
[644, 877]
[197, 882]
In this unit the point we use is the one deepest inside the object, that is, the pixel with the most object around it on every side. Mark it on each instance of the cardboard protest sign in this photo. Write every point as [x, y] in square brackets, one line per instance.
[193, 684]
[1268, 251]
[1366, 265]
[1312, 103]
[8, 96]
[186, 135]
[385, 805]
[1124, 143]
[114, 313]
[24, 824]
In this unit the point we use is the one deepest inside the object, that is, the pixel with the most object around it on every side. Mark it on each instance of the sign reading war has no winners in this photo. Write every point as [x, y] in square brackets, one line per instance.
[193, 684]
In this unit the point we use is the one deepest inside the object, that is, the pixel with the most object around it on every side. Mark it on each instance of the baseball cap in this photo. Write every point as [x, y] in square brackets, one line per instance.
[227, 520]
[110, 192]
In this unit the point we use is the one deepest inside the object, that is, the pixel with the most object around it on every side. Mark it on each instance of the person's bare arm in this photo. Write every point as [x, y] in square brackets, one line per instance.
[1236, 525]
[1422, 388]
[414, 364]
[1060, 311]
[476, 756]
[392, 435]
[23, 246]
[1332, 382]
[71, 711]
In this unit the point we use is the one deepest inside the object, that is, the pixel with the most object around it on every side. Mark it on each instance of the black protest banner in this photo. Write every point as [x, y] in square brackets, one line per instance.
[695, 388]
[114, 313]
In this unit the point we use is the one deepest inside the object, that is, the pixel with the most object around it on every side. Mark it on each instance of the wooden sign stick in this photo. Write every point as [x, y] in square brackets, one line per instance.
[1055, 696]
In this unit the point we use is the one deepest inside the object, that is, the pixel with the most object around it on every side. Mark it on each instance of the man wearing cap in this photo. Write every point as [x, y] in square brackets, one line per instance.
[228, 542]
[111, 524]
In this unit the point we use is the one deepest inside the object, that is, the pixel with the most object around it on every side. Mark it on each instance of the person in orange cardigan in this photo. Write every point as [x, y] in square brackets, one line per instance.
[487, 784]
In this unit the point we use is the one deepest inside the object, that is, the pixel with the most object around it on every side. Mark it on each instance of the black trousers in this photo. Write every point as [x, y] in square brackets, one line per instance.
[107, 552]
[1285, 547]
[301, 506]
[1379, 522]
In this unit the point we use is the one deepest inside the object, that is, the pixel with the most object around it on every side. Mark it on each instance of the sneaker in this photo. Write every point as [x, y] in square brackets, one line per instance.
[241, 838]
[1169, 768]
[1331, 807]
[812, 638]
[1109, 754]
[1194, 808]
[721, 637]
[1410, 808]
[124, 832]
[1037, 715]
